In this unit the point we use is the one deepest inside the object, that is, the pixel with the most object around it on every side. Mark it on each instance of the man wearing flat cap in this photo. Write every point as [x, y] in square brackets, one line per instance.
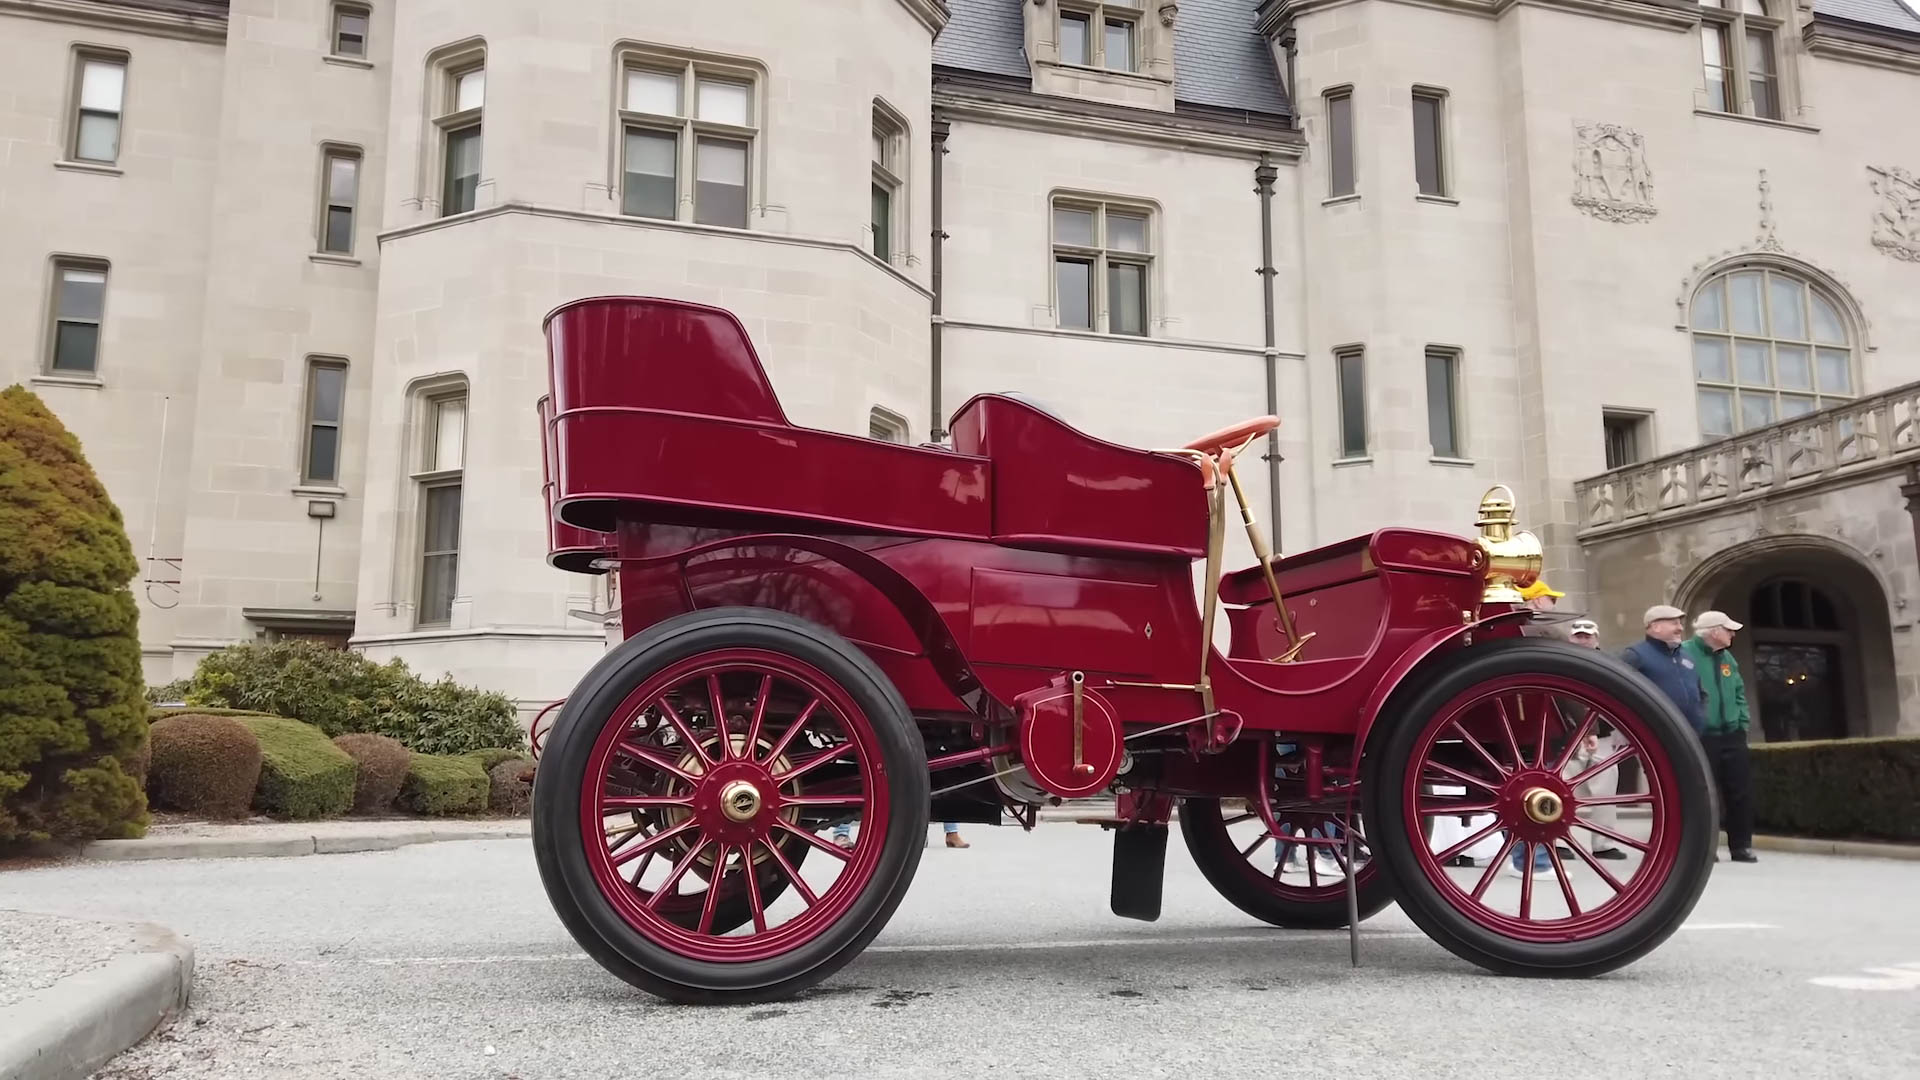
[1661, 659]
[1724, 734]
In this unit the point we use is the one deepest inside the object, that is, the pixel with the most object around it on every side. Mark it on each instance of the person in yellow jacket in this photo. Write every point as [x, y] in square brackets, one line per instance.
[1725, 734]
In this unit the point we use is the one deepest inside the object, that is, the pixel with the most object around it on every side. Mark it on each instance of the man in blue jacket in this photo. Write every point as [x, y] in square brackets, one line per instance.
[1659, 657]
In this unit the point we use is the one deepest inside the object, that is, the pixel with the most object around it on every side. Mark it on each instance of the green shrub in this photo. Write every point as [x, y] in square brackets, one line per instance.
[492, 756]
[158, 714]
[345, 693]
[169, 692]
[302, 774]
[70, 679]
[441, 784]
[204, 765]
[1843, 788]
[383, 768]
[137, 763]
[510, 787]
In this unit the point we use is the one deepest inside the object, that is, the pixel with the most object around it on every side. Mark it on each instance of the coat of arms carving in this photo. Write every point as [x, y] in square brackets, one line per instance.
[1611, 178]
[1896, 220]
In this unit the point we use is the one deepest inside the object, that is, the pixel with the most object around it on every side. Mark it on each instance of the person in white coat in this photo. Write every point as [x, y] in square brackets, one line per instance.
[1599, 747]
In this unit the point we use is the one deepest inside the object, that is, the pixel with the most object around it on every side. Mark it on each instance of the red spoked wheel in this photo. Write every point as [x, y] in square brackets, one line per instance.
[1516, 724]
[1284, 859]
[686, 783]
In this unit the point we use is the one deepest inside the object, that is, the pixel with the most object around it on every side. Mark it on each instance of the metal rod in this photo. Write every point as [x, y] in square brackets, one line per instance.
[1263, 178]
[936, 429]
[1260, 552]
[1208, 715]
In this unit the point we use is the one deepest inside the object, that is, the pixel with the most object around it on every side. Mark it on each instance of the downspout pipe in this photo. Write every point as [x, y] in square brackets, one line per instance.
[936, 427]
[1263, 178]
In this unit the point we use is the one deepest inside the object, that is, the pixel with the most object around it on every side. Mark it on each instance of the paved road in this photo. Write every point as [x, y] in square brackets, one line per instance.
[444, 961]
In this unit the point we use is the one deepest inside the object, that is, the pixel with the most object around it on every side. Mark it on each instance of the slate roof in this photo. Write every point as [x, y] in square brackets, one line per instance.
[1885, 14]
[1218, 59]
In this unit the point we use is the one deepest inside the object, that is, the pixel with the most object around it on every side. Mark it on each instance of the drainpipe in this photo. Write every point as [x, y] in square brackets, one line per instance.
[936, 429]
[1263, 177]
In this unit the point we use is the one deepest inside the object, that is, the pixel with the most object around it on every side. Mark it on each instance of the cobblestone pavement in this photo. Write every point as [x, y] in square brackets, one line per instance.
[445, 961]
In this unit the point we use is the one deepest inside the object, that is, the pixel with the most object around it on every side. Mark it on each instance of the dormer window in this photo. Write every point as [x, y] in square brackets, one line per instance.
[1100, 35]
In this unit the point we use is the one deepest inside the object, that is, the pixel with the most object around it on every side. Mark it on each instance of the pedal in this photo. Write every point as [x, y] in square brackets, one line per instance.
[1139, 871]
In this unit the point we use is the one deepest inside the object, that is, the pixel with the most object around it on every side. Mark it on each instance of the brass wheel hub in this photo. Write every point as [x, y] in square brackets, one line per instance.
[740, 800]
[1542, 806]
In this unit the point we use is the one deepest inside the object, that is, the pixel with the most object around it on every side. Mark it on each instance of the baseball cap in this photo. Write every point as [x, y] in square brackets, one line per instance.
[1709, 620]
[1663, 611]
[1539, 589]
[1584, 626]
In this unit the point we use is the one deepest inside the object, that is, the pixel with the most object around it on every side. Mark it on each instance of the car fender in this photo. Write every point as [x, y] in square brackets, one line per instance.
[1403, 668]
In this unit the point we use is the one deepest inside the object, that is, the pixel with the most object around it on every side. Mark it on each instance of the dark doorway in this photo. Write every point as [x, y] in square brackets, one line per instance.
[1799, 687]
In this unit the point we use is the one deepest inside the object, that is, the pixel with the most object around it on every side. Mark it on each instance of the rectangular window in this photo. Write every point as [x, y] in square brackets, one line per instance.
[443, 459]
[689, 129]
[1350, 378]
[1102, 267]
[350, 31]
[326, 400]
[1118, 45]
[460, 124]
[1076, 43]
[340, 193]
[1101, 35]
[79, 307]
[889, 181]
[1339, 143]
[886, 426]
[1739, 51]
[1627, 438]
[100, 87]
[1429, 142]
[1443, 403]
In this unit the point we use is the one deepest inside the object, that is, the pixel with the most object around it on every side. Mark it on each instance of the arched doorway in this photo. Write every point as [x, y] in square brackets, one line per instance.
[1817, 650]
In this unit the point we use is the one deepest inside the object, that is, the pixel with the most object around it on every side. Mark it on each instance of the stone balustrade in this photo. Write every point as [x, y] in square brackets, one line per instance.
[1864, 437]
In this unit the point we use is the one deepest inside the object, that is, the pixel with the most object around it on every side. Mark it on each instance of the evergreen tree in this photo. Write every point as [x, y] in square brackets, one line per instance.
[72, 706]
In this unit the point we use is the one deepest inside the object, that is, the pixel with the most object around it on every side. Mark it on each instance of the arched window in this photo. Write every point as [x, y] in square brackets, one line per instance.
[1767, 345]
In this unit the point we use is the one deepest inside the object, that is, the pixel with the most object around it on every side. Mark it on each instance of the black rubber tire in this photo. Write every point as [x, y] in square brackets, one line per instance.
[1388, 760]
[1233, 877]
[557, 840]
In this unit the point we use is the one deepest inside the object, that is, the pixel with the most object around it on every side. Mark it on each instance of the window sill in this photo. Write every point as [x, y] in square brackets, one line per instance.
[1441, 200]
[319, 491]
[1341, 463]
[1338, 199]
[84, 382]
[333, 260]
[348, 61]
[1118, 73]
[1451, 462]
[1760, 120]
[89, 167]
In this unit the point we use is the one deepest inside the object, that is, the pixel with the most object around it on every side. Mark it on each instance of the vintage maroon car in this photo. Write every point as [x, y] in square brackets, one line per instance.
[823, 630]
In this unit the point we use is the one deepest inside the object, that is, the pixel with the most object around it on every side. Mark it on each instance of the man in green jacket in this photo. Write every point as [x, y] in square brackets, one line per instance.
[1725, 736]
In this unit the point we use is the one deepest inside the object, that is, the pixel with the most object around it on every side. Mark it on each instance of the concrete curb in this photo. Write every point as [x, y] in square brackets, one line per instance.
[1860, 848]
[318, 843]
[76, 1025]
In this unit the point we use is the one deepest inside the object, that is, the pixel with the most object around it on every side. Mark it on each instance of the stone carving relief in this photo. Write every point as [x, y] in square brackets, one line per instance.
[1896, 220]
[1611, 178]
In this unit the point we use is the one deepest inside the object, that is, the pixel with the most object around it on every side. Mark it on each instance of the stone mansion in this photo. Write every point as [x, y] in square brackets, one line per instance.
[1655, 264]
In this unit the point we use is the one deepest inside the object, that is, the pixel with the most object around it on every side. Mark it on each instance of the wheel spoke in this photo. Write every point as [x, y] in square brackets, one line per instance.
[1312, 859]
[1573, 744]
[793, 875]
[652, 842]
[1587, 857]
[759, 714]
[1566, 886]
[1237, 819]
[1493, 867]
[1619, 755]
[665, 765]
[636, 802]
[1616, 800]
[686, 732]
[714, 884]
[1479, 748]
[786, 737]
[1247, 852]
[1611, 834]
[679, 871]
[834, 850]
[1465, 778]
[1526, 874]
[1468, 842]
[823, 800]
[753, 885]
[1429, 809]
[1506, 725]
[720, 716]
[640, 870]
[815, 762]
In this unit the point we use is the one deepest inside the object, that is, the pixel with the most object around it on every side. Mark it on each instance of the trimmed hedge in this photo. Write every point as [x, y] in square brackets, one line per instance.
[510, 787]
[492, 756]
[154, 716]
[383, 766]
[204, 765]
[440, 784]
[1842, 788]
[302, 775]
